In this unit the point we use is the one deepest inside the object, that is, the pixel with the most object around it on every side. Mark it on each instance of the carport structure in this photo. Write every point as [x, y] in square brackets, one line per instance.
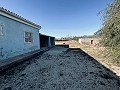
[46, 41]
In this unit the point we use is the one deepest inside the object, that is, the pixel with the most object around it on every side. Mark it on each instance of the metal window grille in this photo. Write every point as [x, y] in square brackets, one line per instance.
[28, 37]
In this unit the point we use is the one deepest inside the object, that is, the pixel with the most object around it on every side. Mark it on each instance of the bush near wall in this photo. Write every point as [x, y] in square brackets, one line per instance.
[110, 32]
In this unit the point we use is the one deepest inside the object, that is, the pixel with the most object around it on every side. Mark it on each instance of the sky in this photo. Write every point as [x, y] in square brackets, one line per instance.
[60, 18]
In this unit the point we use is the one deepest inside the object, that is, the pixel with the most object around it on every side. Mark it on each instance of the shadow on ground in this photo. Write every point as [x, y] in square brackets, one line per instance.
[108, 74]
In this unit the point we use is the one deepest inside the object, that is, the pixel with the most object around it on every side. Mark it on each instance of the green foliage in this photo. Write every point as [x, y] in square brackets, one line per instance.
[110, 33]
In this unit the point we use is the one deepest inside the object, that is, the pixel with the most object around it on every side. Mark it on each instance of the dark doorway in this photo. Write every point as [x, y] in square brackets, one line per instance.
[43, 40]
[91, 41]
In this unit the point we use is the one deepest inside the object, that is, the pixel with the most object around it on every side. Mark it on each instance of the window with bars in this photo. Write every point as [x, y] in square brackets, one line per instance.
[28, 37]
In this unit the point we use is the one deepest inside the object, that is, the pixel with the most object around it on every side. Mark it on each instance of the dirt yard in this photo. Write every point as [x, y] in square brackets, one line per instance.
[95, 52]
[60, 69]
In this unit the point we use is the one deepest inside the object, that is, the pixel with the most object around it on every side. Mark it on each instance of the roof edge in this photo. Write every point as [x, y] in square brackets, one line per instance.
[16, 17]
[46, 35]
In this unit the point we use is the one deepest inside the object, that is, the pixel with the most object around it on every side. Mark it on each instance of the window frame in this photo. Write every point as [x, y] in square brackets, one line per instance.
[31, 37]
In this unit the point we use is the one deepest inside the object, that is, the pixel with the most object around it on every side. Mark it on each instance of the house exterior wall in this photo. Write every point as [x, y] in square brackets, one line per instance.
[12, 41]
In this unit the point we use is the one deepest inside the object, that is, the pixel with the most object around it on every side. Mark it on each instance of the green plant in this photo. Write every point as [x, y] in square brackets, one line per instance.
[110, 32]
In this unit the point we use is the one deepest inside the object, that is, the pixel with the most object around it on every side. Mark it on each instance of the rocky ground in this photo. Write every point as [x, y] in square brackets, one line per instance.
[60, 69]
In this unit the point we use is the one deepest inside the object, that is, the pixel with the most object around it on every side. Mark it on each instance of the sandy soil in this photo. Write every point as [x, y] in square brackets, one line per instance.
[60, 69]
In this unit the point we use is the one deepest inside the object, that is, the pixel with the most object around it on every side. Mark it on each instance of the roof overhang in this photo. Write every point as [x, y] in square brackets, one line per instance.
[46, 35]
[18, 18]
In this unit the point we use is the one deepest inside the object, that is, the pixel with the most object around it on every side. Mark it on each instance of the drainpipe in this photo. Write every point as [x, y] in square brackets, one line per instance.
[1, 54]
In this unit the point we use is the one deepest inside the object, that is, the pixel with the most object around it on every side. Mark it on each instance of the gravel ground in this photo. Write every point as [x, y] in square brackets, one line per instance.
[60, 69]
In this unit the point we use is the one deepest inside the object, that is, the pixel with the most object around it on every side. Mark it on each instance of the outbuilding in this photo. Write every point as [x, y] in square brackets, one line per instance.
[46, 41]
[89, 40]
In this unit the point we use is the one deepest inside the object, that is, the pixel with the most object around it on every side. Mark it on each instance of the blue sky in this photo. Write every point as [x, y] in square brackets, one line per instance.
[60, 18]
